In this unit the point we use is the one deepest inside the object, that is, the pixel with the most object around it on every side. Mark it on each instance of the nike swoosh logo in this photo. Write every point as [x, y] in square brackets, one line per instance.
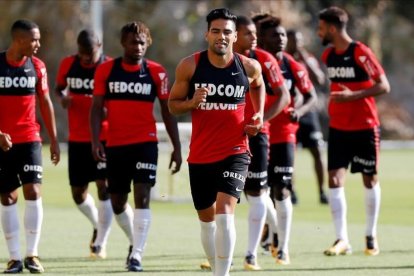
[286, 177]
[39, 176]
[347, 58]
[263, 182]
[142, 75]
[152, 176]
[235, 73]
[238, 189]
[27, 70]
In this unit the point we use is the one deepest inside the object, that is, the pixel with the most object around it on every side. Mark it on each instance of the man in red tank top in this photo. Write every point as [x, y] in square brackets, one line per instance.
[74, 87]
[211, 85]
[23, 77]
[356, 78]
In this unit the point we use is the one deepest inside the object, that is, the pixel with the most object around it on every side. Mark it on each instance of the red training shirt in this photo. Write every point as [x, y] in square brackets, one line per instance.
[356, 68]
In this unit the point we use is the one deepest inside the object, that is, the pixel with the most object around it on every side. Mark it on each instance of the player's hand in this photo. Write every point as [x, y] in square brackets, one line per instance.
[65, 101]
[175, 161]
[294, 116]
[54, 153]
[345, 95]
[200, 96]
[5, 141]
[255, 126]
[98, 152]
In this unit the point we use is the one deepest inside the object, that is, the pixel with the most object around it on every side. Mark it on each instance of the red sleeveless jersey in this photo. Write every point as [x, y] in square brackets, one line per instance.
[218, 124]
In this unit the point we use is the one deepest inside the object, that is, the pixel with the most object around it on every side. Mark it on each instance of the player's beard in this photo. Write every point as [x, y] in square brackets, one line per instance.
[326, 40]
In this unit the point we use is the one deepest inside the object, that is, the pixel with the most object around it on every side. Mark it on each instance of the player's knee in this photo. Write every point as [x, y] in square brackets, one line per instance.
[103, 194]
[280, 193]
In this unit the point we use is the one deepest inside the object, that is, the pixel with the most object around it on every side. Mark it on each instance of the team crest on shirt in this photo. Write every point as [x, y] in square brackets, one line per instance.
[362, 59]
[161, 75]
[268, 64]
[300, 74]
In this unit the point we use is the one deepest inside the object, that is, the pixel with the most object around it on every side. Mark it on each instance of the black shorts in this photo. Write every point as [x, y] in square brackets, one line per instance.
[309, 134]
[281, 161]
[136, 163]
[22, 164]
[82, 166]
[227, 176]
[257, 171]
[358, 148]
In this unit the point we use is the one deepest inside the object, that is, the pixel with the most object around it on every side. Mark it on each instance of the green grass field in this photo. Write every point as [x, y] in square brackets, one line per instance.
[174, 248]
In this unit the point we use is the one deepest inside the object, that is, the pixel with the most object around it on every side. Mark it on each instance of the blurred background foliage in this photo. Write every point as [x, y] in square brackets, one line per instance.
[178, 27]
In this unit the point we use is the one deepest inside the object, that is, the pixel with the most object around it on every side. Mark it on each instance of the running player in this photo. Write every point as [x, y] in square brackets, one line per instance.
[256, 188]
[23, 77]
[211, 85]
[283, 130]
[128, 86]
[356, 78]
[76, 76]
[309, 134]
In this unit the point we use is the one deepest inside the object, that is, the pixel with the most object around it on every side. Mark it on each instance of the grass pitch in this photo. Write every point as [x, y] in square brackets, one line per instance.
[174, 247]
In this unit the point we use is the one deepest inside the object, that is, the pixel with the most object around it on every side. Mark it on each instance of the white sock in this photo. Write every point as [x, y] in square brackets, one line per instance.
[142, 221]
[284, 217]
[10, 225]
[125, 221]
[89, 209]
[105, 214]
[208, 237]
[256, 220]
[33, 218]
[372, 207]
[271, 217]
[225, 242]
[337, 202]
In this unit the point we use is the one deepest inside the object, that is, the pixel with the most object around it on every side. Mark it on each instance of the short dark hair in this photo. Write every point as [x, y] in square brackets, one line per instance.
[221, 13]
[23, 25]
[243, 21]
[136, 27]
[256, 18]
[268, 23]
[88, 38]
[335, 16]
[291, 32]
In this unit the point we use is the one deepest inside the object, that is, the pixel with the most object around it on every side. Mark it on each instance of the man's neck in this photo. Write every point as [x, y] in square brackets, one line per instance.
[14, 56]
[220, 61]
[130, 61]
[342, 42]
[240, 50]
[279, 55]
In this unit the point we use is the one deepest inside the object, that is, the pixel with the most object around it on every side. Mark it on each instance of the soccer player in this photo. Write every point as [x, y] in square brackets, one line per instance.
[256, 188]
[309, 134]
[23, 77]
[74, 86]
[283, 130]
[128, 86]
[356, 78]
[211, 84]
